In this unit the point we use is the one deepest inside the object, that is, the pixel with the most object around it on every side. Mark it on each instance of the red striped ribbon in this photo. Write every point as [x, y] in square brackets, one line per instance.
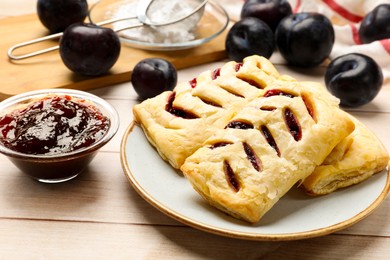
[355, 34]
[297, 6]
[342, 11]
[386, 45]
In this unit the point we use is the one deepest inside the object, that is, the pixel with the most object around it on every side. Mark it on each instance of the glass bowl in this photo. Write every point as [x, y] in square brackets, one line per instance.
[61, 166]
[213, 22]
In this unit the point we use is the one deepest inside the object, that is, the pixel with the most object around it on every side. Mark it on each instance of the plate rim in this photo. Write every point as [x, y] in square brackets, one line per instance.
[236, 234]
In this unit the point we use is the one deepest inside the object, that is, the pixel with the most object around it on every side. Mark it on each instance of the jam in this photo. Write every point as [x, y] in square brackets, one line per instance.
[252, 157]
[239, 125]
[292, 124]
[216, 73]
[270, 139]
[231, 177]
[53, 125]
[193, 82]
[238, 66]
[277, 92]
[177, 111]
[250, 82]
[219, 144]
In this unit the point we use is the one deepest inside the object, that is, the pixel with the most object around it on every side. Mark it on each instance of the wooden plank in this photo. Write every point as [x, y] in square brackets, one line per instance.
[65, 240]
[335, 247]
[70, 240]
[17, 7]
[101, 194]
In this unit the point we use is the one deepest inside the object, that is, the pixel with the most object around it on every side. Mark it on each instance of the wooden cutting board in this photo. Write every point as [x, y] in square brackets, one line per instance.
[48, 71]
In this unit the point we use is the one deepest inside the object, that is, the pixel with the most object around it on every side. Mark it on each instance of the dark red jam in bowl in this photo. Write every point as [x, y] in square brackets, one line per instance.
[52, 125]
[52, 135]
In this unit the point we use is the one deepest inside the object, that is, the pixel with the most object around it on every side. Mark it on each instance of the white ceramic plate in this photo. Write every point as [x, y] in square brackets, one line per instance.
[213, 22]
[295, 216]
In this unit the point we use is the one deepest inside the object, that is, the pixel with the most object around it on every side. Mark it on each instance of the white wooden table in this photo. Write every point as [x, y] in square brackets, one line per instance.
[98, 215]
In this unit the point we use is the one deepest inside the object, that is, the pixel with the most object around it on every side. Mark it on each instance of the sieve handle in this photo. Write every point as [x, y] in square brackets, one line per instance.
[12, 56]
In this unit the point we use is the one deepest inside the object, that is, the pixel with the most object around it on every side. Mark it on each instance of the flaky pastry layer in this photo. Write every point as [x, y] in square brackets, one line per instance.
[356, 158]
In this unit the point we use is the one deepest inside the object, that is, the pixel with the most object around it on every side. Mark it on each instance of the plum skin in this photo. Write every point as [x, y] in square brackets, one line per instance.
[269, 11]
[249, 36]
[152, 76]
[354, 78]
[376, 24]
[305, 39]
[57, 15]
[88, 49]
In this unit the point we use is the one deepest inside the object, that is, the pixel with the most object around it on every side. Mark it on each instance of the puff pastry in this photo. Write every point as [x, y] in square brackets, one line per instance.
[268, 146]
[353, 160]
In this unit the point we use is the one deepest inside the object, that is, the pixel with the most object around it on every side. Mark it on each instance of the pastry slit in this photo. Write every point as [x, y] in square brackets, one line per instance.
[216, 73]
[178, 111]
[268, 108]
[278, 92]
[239, 125]
[232, 92]
[270, 139]
[292, 124]
[309, 107]
[219, 144]
[209, 102]
[193, 82]
[238, 66]
[250, 82]
[231, 177]
[252, 157]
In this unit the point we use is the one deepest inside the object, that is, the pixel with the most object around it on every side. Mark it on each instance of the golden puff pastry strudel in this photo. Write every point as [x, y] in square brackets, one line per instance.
[356, 158]
[272, 143]
[178, 122]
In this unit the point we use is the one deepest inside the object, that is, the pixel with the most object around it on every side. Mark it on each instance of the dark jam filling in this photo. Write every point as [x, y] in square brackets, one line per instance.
[270, 139]
[251, 82]
[220, 144]
[252, 157]
[53, 125]
[238, 66]
[216, 73]
[309, 107]
[292, 124]
[193, 82]
[278, 92]
[177, 111]
[231, 177]
[239, 125]
[268, 108]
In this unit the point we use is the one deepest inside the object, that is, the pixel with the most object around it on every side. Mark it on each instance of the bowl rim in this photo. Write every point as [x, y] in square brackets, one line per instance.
[109, 111]
[211, 8]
